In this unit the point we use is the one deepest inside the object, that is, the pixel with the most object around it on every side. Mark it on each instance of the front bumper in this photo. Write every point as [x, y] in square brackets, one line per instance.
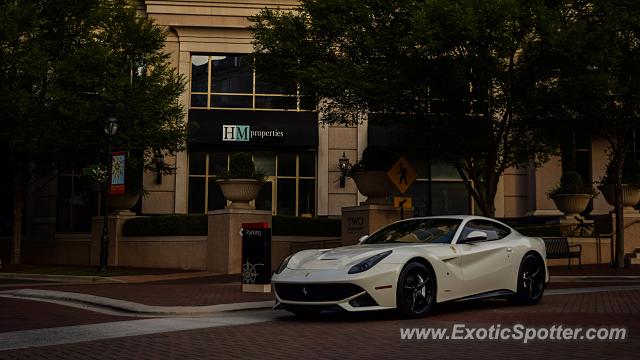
[374, 289]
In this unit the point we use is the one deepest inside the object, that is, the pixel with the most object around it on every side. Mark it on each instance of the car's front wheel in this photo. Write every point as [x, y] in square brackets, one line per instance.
[416, 290]
[531, 281]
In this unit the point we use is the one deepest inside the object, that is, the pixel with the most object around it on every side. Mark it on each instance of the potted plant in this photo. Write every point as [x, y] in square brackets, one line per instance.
[240, 184]
[572, 195]
[630, 185]
[369, 174]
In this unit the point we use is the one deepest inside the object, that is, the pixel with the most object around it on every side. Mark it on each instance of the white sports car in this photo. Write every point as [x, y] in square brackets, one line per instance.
[412, 264]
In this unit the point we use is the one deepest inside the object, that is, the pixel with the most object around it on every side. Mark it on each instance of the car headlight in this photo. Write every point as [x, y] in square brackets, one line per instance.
[368, 263]
[283, 265]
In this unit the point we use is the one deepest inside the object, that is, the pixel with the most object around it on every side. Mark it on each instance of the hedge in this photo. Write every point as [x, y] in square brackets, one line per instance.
[166, 225]
[197, 225]
[299, 226]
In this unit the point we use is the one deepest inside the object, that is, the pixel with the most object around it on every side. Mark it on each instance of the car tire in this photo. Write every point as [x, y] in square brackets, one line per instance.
[531, 281]
[416, 290]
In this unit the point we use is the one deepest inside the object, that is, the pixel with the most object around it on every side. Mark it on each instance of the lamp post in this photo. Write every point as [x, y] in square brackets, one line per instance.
[110, 129]
[344, 165]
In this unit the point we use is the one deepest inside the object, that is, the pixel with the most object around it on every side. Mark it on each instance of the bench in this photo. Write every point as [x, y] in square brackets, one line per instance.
[559, 248]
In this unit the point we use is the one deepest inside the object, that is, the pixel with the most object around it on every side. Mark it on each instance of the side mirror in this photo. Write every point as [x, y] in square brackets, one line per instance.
[363, 238]
[476, 236]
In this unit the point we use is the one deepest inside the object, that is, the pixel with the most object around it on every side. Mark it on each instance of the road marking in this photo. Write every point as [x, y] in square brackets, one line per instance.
[81, 333]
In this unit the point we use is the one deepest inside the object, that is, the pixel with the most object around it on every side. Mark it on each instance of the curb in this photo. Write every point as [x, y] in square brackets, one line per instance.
[132, 307]
[61, 278]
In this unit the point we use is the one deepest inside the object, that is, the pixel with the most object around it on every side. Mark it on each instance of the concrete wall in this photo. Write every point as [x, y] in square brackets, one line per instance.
[167, 252]
[63, 249]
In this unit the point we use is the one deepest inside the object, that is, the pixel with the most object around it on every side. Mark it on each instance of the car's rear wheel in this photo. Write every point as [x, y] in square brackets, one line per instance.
[416, 290]
[531, 281]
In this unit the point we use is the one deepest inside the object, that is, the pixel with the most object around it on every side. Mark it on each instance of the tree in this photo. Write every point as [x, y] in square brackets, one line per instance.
[457, 69]
[594, 79]
[66, 65]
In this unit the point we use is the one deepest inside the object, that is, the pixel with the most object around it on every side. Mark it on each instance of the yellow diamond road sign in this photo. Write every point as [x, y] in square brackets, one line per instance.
[402, 174]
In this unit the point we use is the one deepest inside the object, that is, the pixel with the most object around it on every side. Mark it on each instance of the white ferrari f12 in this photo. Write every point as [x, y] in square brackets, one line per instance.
[412, 264]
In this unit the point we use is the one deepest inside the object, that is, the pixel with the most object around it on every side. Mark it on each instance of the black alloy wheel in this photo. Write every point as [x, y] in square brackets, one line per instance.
[531, 280]
[416, 290]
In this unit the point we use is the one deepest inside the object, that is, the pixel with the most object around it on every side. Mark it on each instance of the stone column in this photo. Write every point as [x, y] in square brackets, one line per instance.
[224, 242]
[358, 221]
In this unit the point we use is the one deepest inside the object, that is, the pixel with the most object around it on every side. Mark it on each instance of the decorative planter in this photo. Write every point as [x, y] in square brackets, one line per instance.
[124, 201]
[375, 185]
[630, 195]
[240, 192]
[571, 204]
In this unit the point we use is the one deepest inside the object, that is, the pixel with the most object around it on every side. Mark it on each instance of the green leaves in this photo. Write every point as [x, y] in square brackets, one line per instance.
[66, 65]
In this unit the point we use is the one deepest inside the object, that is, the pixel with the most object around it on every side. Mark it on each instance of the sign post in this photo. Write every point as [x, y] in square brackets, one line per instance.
[256, 257]
[402, 175]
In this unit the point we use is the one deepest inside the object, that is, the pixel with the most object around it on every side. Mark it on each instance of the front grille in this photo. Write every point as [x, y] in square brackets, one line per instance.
[316, 292]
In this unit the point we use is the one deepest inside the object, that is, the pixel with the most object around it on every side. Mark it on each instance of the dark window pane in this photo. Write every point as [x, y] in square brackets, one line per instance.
[76, 204]
[196, 195]
[264, 87]
[308, 103]
[443, 170]
[232, 74]
[231, 101]
[286, 164]
[265, 162]
[276, 102]
[198, 100]
[197, 163]
[420, 166]
[264, 199]
[307, 197]
[450, 198]
[199, 76]
[218, 163]
[286, 197]
[216, 199]
[307, 164]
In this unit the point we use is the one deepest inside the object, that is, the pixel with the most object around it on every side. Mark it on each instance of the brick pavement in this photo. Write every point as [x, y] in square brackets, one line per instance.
[178, 293]
[376, 335]
[20, 314]
[594, 270]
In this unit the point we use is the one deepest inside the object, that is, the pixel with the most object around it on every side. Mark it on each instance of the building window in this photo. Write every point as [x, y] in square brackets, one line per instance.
[290, 187]
[76, 203]
[449, 195]
[231, 82]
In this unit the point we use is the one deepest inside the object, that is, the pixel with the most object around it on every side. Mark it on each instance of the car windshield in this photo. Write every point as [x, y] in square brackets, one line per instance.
[424, 231]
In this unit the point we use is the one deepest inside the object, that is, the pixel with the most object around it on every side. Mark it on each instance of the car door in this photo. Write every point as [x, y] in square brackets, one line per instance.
[486, 265]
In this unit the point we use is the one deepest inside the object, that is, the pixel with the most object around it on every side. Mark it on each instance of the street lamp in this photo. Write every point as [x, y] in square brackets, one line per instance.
[344, 165]
[111, 128]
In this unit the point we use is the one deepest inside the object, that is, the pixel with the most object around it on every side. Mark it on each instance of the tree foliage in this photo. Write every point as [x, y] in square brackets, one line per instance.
[593, 80]
[456, 71]
[66, 65]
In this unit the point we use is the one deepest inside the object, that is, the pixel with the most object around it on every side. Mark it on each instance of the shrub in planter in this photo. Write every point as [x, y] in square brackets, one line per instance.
[572, 195]
[241, 184]
[630, 184]
[369, 174]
